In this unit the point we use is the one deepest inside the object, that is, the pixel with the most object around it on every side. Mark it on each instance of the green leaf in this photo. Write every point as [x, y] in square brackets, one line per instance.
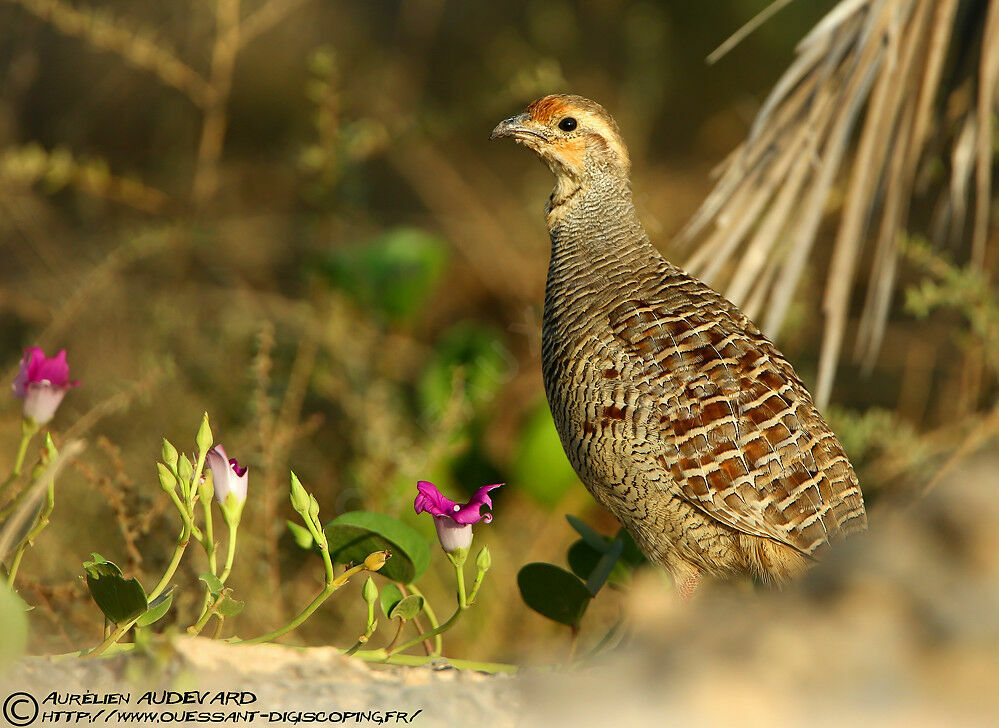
[230, 607]
[540, 466]
[613, 637]
[354, 535]
[553, 592]
[604, 567]
[303, 537]
[212, 582]
[594, 539]
[157, 608]
[583, 559]
[408, 608]
[631, 555]
[390, 597]
[96, 558]
[14, 623]
[393, 274]
[121, 600]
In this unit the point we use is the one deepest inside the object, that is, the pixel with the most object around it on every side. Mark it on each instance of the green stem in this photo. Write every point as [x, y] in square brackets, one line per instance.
[230, 553]
[395, 637]
[195, 477]
[208, 544]
[178, 553]
[479, 576]
[209, 608]
[12, 574]
[296, 622]
[327, 563]
[331, 586]
[432, 633]
[209, 540]
[185, 516]
[109, 641]
[206, 615]
[432, 618]
[573, 644]
[459, 573]
[28, 430]
[37, 528]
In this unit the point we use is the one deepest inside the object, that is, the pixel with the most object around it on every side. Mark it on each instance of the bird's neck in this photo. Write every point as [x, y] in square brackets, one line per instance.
[592, 222]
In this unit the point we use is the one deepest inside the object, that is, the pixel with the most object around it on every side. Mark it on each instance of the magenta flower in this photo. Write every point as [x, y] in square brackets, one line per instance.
[230, 479]
[453, 521]
[42, 383]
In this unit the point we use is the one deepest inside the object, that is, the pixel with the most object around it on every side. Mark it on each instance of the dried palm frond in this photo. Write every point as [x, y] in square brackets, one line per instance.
[911, 81]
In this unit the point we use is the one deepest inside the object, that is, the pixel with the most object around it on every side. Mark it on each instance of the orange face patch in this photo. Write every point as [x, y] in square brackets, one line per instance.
[570, 153]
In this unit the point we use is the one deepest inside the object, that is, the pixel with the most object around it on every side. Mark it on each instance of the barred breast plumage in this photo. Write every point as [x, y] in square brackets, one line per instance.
[677, 413]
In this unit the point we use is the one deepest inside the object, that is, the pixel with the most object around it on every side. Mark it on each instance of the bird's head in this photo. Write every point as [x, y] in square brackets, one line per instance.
[575, 136]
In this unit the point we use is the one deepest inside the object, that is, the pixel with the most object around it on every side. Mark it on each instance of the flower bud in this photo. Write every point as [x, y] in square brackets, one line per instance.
[299, 497]
[376, 560]
[484, 560]
[204, 436]
[41, 384]
[206, 488]
[370, 592]
[169, 454]
[167, 480]
[185, 469]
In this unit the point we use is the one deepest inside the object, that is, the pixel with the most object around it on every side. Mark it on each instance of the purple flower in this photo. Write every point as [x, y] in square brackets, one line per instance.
[229, 478]
[42, 383]
[453, 521]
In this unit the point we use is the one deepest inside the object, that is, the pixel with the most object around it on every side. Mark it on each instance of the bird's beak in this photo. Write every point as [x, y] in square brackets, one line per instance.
[515, 126]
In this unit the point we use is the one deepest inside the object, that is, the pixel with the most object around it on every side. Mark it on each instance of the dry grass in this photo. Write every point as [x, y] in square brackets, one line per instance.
[912, 81]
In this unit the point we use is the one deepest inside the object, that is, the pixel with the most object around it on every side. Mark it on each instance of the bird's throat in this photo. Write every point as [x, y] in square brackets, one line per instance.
[567, 190]
[593, 219]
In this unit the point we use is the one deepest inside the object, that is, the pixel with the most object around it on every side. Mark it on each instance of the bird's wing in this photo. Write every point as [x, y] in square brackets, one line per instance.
[737, 430]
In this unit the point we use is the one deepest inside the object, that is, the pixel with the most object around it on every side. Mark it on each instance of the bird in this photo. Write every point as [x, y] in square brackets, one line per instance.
[677, 413]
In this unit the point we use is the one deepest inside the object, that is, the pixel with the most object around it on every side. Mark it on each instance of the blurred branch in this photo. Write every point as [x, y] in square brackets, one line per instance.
[97, 279]
[266, 17]
[213, 127]
[136, 48]
[468, 221]
[31, 164]
[746, 30]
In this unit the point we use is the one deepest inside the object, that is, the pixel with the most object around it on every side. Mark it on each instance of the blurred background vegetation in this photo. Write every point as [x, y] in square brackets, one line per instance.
[287, 212]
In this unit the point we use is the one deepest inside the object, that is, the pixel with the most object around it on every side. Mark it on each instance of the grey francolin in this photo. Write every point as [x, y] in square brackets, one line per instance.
[678, 414]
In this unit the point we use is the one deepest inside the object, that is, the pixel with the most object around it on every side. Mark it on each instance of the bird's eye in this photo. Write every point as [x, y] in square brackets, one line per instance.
[567, 124]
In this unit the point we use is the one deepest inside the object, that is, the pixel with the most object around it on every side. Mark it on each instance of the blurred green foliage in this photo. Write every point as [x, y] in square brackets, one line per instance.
[539, 464]
[392, 275]
[14, 618]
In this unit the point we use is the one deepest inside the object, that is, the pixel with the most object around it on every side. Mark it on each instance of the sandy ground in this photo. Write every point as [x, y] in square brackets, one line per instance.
[900, 628]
